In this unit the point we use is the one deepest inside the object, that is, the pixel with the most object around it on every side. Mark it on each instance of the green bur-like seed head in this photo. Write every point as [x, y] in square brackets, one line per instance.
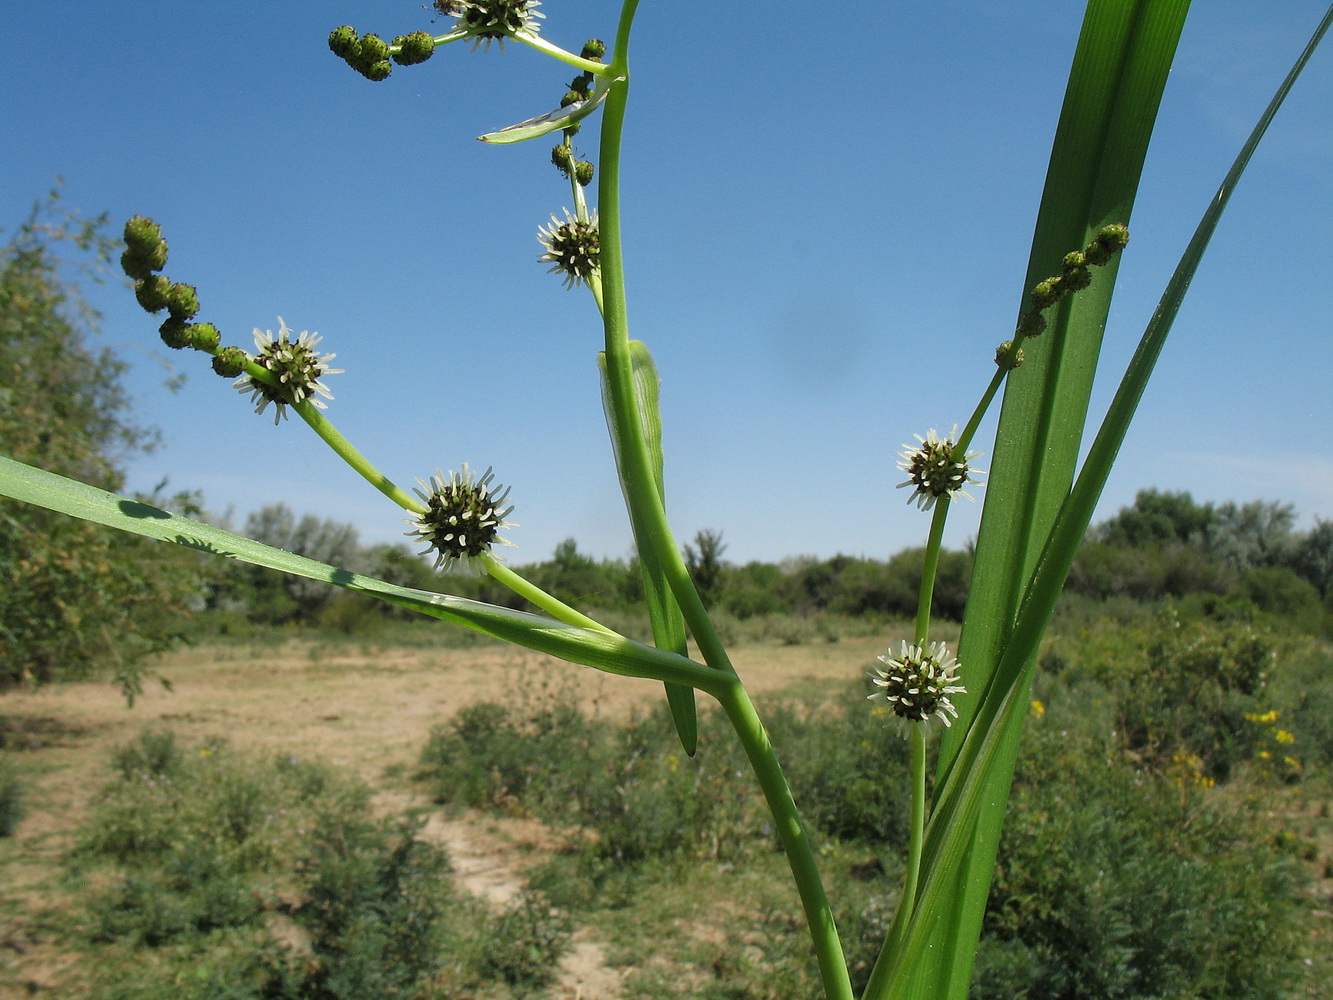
[175, 333]
[1046, 293]
[583, 172]
[1031, 324]
[1006, 357]
[145, 249]
[204, 336]
[414, 48]
[182, 301]
[373, 49]
[1077, 278]
[563, 158]
[343, 41]
[153, 292]
[229, 362]
[142, 234]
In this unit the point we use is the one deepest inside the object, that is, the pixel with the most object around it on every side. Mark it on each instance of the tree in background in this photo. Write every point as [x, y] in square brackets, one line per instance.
[277, 597]
[75, 598]
[704, 561]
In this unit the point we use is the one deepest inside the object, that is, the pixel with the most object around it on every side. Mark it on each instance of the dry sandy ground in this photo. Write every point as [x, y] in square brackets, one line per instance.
[363, 708]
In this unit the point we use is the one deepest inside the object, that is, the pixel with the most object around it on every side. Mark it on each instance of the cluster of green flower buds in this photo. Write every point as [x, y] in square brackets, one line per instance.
[370, 55]
[570, 165]
[1074, 276]
[580, 88]
[1007, 356]
[145, 255]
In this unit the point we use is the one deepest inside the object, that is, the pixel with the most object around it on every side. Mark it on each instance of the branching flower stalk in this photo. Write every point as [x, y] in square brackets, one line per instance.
[288, 374]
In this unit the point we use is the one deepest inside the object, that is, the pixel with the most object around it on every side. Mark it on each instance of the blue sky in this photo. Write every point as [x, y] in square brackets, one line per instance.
[794, 198]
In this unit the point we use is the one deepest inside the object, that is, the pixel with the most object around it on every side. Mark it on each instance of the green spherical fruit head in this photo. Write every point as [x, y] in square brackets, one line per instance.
[175, 333]
[152, 292]
[415, 48]
[182, 301]
[142, 234]
[204, 336]
[342, 41]
[229, 362]
[374, 49]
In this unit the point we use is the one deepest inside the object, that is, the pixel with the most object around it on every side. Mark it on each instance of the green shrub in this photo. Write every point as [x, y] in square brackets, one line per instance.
[1116, 883]
[527, 942]
[153, 755]
[1178, 687]
[201, 854]
[846, 768]
[11, 796]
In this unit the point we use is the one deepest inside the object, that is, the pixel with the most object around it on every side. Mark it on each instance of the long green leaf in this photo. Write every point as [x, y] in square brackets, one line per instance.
[664, 612]
[612, 653]
[1119, 71]
[966, 797]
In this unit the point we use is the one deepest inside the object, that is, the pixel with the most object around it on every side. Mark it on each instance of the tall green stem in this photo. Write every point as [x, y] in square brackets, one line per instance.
[795, 842]
[651, 529]
[530, 592]
[917, 838]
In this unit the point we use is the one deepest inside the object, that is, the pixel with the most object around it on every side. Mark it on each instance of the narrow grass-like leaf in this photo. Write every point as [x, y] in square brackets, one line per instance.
[1119, 70]
[664, 612]
[604, 651]
[560, 118]
[967, 793]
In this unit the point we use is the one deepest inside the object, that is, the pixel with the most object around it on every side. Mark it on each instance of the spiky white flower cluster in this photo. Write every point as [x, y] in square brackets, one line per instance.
[916, 685]
[296, 366]
[463, 517]
[934, 469]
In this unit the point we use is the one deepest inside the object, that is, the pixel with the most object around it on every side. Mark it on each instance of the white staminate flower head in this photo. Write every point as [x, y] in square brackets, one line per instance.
[463, 517]
[573, 247]
[935, 469]
[492, 20]
[296, 366]
[916, 685]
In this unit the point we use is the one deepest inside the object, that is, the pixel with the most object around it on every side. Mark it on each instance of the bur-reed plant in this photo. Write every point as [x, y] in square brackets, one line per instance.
[1039, 494]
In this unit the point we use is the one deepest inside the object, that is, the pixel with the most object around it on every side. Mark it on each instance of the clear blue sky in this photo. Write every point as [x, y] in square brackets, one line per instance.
[794, 200]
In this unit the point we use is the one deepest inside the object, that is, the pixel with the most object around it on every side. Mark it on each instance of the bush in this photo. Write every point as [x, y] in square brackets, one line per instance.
[1114, 883]
[1178, 687]
[528, 941]
[11, 796]
[205, 855]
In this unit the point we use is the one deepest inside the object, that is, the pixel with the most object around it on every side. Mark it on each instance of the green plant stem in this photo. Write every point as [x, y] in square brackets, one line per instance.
[929, 569]
[917, 740]
[643, 497]
[333, 438]
[983, 405]
[530, 592]
[556, 52]
[791, 832]
[652, 530]
[344, 450]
